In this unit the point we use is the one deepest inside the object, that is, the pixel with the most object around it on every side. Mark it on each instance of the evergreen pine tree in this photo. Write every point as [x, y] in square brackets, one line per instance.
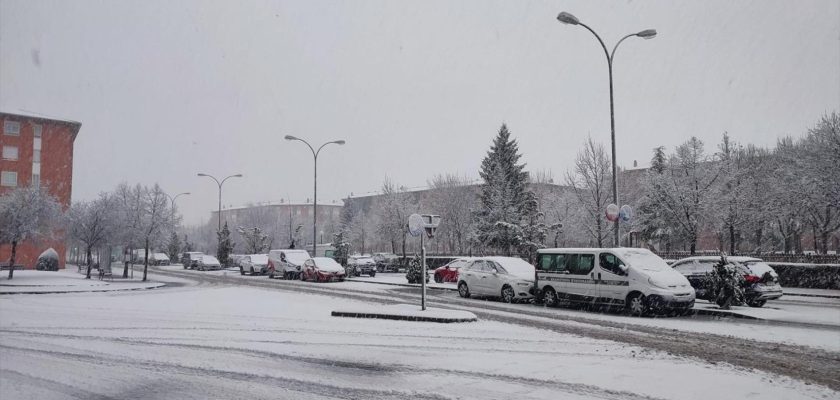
[225, 246]
[174, 246]
[504, 196]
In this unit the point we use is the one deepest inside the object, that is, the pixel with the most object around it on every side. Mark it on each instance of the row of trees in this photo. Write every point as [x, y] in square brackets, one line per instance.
[739, 198]
[748, 198]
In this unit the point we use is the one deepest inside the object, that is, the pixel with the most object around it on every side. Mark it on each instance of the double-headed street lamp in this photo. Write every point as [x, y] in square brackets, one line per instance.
[172, 199]
[220, 183]
[570, 19]
[315, 196]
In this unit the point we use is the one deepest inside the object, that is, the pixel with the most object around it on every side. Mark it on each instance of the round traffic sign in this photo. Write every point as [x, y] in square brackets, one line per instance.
[612, 213]
[415, 225]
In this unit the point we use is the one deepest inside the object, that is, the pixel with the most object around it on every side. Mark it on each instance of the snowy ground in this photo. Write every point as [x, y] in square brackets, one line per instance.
[223, 341]
[67, 280]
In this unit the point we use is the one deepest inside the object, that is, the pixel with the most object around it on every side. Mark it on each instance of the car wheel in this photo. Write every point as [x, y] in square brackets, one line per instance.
[241, 270]
[463, 290]
[757, 303]
[637, 304]
[508, 294]
[372, 274]
[252, 271]
[549, 297]
[438, 278]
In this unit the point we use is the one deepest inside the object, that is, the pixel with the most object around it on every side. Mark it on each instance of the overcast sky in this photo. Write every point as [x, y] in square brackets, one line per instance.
[417, 88]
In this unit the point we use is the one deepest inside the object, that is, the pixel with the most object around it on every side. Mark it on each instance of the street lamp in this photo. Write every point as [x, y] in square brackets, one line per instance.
[220, 183]
[315, 183]
[172, 199]
[570, 19]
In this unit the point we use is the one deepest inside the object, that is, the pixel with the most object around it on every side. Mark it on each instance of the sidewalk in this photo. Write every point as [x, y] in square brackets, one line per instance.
[68, 280]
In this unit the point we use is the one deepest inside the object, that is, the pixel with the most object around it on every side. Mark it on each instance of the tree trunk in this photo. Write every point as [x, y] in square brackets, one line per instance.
[824, 242]
[731, 240]
[146, 261]
[88, 256]
[125, 263]
[693, 245]
[12, 259]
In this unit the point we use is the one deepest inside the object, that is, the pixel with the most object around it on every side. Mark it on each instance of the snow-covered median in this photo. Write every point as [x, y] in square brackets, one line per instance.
[406, 312]
[67, 281]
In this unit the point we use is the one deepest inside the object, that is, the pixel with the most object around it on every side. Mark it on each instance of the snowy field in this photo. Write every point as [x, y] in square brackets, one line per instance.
[206, 341]
[68, 280]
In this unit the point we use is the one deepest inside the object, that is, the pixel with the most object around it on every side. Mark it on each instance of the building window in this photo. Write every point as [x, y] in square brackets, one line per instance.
[36, 180]
[11, 128]
[37, 129]
[8, 178]
[10, 153]
[36, 156]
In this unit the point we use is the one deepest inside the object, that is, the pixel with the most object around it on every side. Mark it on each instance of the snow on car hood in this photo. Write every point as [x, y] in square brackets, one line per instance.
[259, 259]
[644, 265]
[296, 257]
[209, 260]
[328, 265]
[516, 267]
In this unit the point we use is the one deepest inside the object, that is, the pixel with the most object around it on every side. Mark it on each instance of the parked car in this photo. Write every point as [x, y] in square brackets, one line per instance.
[322, 269]
[635, 279]
[253, 264]
[761, 282]
[208, 263]
[159, 259]
[449, 272]
[235, 259]
[286, 263]
[190, 259]
[509, 278]
[362, 265]
[386, 262]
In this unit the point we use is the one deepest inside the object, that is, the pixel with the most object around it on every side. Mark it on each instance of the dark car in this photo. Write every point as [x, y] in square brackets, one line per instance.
[190, 259]
[761, 282]
[386, 262]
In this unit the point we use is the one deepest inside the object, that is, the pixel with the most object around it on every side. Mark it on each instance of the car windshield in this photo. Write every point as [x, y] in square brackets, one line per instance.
[516, 266]
[322, 262]
[259, 258]
[758, 267]
[642, 259]
[297, 257]
[363, 260]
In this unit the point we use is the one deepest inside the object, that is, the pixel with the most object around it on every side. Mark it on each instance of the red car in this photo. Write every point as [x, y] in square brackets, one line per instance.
[449, 272]
[322, 269]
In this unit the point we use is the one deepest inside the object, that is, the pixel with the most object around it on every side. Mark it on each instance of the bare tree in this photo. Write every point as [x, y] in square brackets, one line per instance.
[25, 213]
[92, 223]
[591, 184]
[156, 218]
[455, 200]
[129, 204]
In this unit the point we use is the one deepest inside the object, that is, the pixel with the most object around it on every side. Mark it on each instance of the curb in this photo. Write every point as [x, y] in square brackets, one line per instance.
[411, 285]
[825, 296]
[86, 291]
[724, 313]
[397, 317]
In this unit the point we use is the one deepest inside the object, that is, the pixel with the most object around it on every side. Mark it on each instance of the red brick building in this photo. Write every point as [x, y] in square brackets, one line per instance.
[37, 151]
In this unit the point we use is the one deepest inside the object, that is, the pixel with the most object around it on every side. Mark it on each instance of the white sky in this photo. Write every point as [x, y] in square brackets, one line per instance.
[416, 88]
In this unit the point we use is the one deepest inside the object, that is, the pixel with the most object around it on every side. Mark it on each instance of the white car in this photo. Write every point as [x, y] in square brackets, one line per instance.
[761, 282]
[509, 278]
[253, 264]
[286, 263]
[206, 263]
[632, 278]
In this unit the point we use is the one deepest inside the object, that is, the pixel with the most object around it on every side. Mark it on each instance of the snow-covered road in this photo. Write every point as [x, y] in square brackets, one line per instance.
[222, 340]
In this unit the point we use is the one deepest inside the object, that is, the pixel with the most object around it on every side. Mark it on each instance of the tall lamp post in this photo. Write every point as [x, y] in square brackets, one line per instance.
[173, 198]
[570, 19]
[220, 183]
[315, 196]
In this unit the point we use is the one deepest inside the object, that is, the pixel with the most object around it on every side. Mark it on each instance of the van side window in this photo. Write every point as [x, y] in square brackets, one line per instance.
[611, 263]
[552, 263]
[580, 264]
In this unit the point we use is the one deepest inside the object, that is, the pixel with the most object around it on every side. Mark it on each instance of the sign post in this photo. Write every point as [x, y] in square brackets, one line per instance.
[417, 226]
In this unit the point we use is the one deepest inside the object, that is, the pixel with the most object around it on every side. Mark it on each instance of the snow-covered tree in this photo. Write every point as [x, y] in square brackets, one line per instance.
[394, 206]
[225, 246]
[591, 183]
[130, 207]
[731, 200]
[156, 218]
[93, 224]
[503, 195]
[455, 200]
[682, 193]
[174, 246]
[26, 213]
[255, 240]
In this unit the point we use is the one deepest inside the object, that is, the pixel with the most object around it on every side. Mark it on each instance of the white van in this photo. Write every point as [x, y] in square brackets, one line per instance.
[286, 263]
[636, 279]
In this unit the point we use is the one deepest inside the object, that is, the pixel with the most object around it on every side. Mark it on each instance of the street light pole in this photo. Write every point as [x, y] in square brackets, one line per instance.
[172, 199]
[220, 183]
[570, 19]
[315, 188]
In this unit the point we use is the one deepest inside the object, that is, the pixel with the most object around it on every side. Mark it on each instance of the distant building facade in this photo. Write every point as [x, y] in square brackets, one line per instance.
[284, 222]
[37, 151]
